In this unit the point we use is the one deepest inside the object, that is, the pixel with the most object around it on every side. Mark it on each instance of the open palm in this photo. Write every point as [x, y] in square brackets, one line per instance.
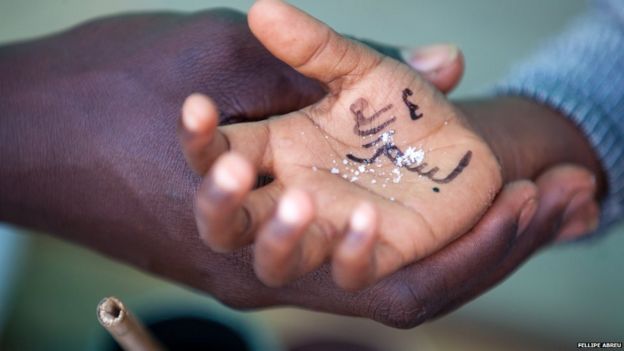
[382, 172]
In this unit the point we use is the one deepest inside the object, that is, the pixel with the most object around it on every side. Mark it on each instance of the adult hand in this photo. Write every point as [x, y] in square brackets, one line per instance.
[563, 198]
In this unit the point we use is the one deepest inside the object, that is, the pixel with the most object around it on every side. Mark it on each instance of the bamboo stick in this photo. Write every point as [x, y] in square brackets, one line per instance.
[128, 331]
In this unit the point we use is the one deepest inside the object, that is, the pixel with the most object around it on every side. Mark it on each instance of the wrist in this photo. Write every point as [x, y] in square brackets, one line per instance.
[528, 137]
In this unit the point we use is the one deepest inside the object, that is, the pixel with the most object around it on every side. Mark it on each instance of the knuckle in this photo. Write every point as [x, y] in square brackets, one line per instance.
[402, 309]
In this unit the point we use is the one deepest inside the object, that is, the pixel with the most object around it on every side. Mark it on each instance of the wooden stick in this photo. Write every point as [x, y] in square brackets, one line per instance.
[128, 331]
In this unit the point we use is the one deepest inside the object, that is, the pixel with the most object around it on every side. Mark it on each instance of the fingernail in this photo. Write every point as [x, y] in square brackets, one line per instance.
[224, 178]
[430, 58]
[361, 224]
[192, 122]
[196, 113]
[289, 210]
[362, 218]
[526, 215]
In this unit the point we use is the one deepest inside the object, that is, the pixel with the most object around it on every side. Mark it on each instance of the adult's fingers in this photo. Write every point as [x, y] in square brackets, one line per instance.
[433, 281]
[203, 141]
[442, 64]
[558, 189]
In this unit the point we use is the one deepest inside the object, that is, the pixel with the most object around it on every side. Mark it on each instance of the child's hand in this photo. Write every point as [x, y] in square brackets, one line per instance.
[382, 172]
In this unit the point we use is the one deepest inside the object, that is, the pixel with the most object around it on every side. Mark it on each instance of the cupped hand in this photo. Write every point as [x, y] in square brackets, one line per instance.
[88, 139]
[381, 172]
[524, 218]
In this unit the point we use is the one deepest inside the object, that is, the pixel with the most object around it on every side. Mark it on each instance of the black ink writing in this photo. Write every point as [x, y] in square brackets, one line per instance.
[391, 151]
[358, 107]
[412, 107]
[463, 163]
[386, 147]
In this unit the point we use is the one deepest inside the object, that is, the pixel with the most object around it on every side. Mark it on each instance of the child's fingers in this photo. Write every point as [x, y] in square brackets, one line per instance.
[203, 141]
[408, 238]
[353, 262]
[278, 253]
[308, 45]
[200, 142]
[228, 212]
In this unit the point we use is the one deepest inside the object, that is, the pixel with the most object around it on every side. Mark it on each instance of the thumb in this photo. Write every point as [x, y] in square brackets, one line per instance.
[441, 64]
[310, 46]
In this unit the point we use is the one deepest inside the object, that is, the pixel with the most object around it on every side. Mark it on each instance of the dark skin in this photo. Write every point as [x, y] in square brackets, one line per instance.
[89, 153]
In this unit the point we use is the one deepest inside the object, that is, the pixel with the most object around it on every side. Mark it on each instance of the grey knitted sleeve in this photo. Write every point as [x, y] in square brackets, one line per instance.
[581, 74]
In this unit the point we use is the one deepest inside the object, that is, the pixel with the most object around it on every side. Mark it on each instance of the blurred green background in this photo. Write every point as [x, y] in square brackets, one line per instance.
[572, 293]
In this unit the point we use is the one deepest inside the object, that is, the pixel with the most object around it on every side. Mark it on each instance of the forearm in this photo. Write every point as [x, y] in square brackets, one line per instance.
[529, 137]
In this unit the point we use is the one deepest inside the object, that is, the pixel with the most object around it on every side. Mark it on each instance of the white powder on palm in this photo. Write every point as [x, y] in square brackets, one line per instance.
[411, 157]
[397, 175]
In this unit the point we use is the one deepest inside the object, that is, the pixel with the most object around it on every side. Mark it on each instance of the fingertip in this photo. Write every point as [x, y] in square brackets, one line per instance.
[364, 218]
[261, 13]
[362, 232]
[449, 76]
[295, 208]
[441, 64]
[569, 178]
[432, 57]
[233, 173]
[199, 114]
